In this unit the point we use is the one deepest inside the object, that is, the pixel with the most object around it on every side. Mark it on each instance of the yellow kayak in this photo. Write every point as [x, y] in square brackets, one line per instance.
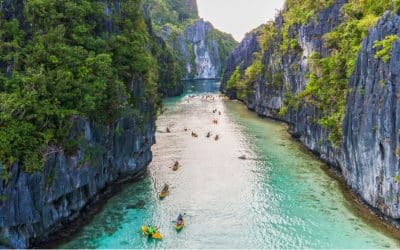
[163, 194]
[179, 227]
[156, 235]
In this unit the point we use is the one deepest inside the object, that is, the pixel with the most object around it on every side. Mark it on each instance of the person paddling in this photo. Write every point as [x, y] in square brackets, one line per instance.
[150, 230]
[165, 188]
[179, 220]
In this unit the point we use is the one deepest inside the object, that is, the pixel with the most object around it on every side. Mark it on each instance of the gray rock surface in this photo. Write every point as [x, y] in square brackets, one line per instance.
[372, 125]
[198, 48]
[369, 155]
[35, 205]
[293, 68]
[207, 61]
[242, 56]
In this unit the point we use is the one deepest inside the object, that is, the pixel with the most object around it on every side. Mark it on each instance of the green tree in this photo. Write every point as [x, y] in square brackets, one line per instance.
[70, 63]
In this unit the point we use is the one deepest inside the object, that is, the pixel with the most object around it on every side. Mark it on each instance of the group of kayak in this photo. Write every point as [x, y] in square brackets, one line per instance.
[152, 232]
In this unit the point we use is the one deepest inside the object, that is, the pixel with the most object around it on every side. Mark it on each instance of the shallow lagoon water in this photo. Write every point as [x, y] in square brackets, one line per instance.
[279, 197]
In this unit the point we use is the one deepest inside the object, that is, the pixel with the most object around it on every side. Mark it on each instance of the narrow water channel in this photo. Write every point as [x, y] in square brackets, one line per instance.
[279, 197]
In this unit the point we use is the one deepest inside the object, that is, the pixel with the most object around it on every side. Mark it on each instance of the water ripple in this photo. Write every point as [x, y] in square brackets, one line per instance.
[278, 197]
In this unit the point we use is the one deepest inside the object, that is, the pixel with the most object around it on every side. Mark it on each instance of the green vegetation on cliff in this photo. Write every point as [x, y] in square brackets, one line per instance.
[176, 12]
[328, 81]
[299, 12]
[64, 61]
[171, 19]
[385, 48]
[243, 84]
[328, 78]
[226, 43]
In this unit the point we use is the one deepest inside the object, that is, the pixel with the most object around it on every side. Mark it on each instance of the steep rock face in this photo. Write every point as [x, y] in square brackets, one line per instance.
[35, 205]
[241, 56]
[198, 47]
[269, 96]
[206, 55]
[368, 156]
[182, 49]
[302, 121]
[201, 48]
[371, 126]
[169, 72]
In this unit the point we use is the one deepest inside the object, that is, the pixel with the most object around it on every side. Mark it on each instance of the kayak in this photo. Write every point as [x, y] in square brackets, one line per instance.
[179, 227]
[163, 194]
[156, 235]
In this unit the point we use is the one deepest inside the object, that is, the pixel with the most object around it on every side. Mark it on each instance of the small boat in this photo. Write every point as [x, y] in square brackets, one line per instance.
[179, 227]
[216, 137]
[156, 235]
[164, 192]
[175, 167]
[242, 157]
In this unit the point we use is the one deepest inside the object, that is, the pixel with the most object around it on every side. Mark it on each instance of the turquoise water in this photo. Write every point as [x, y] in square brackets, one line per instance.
[279, 197]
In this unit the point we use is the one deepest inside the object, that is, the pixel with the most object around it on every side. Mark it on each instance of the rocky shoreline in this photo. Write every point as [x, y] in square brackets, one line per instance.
[39, 204]
[69, 228]
[367, 154]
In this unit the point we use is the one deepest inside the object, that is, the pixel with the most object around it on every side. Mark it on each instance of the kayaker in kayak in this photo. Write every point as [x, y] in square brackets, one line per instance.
[175, 166]
[165, 188]
[150, 230]
[179, 220]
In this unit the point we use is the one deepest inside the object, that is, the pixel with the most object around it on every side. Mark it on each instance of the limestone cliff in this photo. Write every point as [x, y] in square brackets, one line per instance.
[33, 206]
[94, 154]
[343, 111]
[201, 48]
[371, 126]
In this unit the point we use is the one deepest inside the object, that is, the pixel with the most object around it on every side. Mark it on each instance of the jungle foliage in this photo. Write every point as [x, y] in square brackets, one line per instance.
[328, 79]
[63, 59]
